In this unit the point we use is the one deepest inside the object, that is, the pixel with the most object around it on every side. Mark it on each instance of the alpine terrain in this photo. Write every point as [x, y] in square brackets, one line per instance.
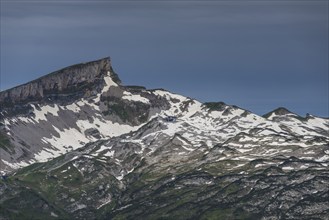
[77, 144]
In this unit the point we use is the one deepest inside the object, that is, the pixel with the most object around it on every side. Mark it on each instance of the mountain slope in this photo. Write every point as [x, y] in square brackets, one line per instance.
[95, 149]
[69, 108]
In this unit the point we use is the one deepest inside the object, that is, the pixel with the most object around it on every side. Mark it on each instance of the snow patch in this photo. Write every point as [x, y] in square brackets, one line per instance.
[108, 82]
[135, 98]
[104, 201]
[322, 159]
[53, 214]
[109, 153]
[106, 128]
[41, 114]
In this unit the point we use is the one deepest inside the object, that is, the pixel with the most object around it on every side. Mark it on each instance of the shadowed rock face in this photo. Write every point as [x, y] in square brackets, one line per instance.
[83, 146]
[76, 81]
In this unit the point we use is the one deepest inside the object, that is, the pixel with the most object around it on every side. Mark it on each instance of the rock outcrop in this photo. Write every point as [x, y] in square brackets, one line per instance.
[75, 81]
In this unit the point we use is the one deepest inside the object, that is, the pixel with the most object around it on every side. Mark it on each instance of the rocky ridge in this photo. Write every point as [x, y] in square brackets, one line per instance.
[84, 79]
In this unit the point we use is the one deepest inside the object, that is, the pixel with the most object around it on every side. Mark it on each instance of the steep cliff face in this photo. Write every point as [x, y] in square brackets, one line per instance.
[76, 81]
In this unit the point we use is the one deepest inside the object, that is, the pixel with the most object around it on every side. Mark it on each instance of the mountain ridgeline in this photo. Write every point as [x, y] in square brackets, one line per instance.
[65, 85]
[77, 144]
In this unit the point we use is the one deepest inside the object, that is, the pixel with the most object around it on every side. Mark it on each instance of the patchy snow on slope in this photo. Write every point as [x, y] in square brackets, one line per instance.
[251, 121]
[271, 116]
[67, 138]
[25, 119]
[124, 207]
[287, 168]
[246, 138]
[266, 132]
[44, 155]
[172, 128]
[120, 177]
[169, 95]
[73, 107]
[109, 154]
[106, 128]
[244, 150]
[16, 165]
[135, 98]
[196, 124]
[46, 109]
[299, 128]
[322, 159]
[53, 214]
[318, 123]
[220, 114]
[102, 148]
[192, 109]
[104, 201]
[108, 82]
[184, 144]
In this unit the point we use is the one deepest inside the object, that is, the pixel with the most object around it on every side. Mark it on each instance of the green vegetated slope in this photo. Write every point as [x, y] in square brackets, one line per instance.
[84, 187]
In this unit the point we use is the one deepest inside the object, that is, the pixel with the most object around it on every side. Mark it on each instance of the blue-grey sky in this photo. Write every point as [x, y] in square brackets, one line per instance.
[258, 55]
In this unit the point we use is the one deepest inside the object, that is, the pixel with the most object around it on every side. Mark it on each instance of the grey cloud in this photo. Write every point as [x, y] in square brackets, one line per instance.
[215, 50]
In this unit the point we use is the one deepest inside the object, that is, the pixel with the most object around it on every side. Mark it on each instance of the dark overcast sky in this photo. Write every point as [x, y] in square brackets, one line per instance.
[258, 55]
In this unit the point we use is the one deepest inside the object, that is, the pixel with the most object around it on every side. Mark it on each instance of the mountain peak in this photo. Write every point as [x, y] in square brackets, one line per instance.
[278, 111]
[76, 80]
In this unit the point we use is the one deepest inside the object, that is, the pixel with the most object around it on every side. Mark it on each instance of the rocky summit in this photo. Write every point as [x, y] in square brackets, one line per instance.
[77, 144]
